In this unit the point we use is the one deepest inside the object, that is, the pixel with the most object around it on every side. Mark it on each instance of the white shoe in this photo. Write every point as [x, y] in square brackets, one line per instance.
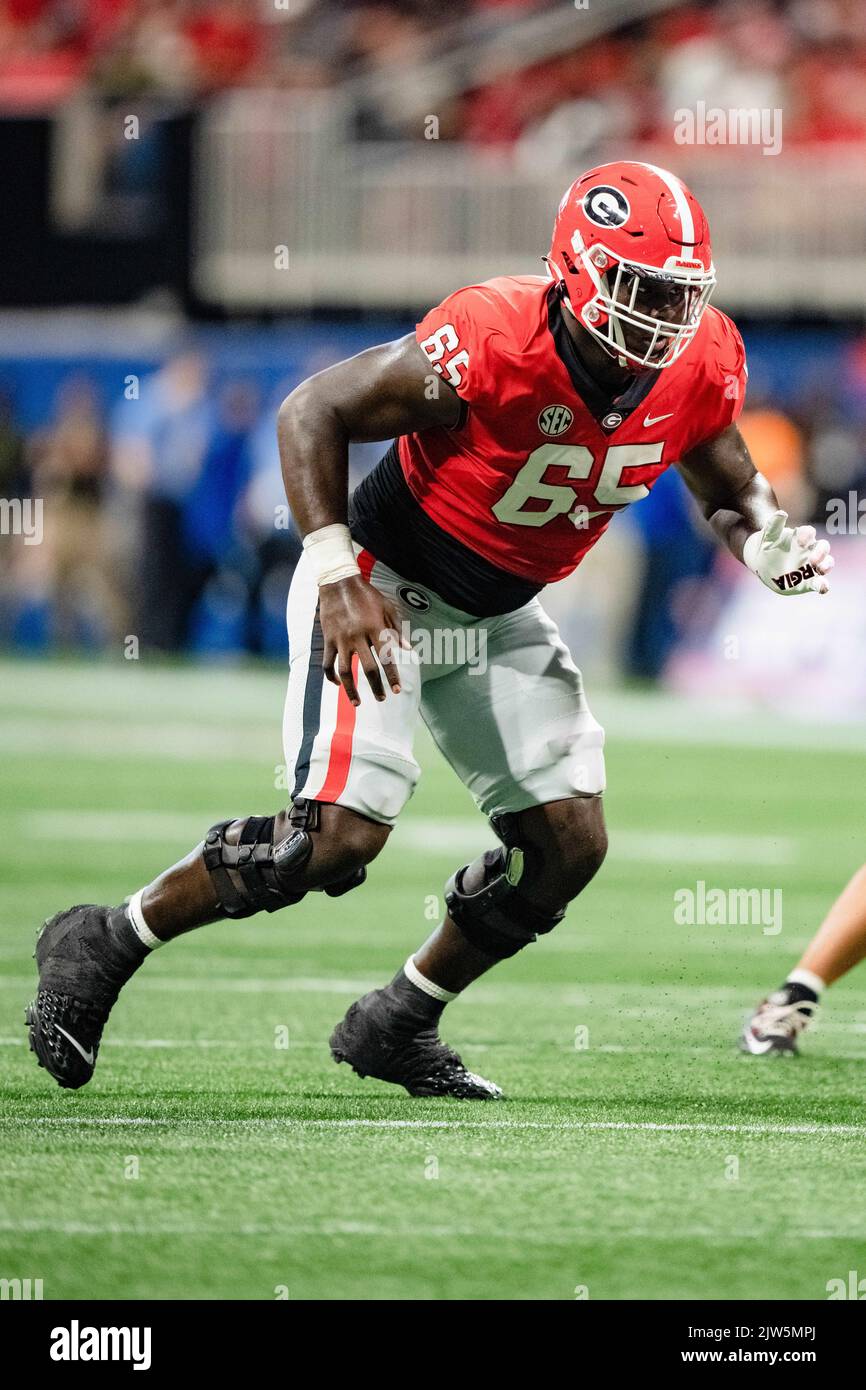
[776, 1025]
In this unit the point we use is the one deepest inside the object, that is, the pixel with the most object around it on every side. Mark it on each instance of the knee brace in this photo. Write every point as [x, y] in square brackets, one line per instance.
[256, 875]
[498, 918]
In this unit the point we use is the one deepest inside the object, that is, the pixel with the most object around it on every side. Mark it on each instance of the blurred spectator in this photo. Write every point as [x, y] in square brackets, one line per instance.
[75, 562]
[226, 39]
[677, 549]
[835, 434]
[190, 527]
[730, 57]
[807, 57]
[161, 443]
[14, 483]
[837, 463]
[268, 530]
[210, 504]
[777, 446]
[13, 466]
[854, 379]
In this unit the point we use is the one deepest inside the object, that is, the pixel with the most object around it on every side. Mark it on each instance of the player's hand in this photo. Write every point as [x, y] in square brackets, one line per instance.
[358, 621]
[789, 560]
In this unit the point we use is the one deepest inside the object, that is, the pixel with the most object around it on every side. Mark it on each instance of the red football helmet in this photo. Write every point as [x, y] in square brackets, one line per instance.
[631, 250]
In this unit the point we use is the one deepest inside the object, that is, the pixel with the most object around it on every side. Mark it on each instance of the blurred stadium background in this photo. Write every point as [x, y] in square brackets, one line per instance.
[207, 201]
[203, 203]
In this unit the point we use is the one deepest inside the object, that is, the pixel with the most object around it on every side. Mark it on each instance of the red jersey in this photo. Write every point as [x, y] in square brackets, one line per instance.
[543, 459]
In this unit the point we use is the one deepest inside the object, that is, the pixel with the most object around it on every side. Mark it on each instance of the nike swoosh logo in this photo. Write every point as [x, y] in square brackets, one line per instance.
[89, 1057]
[654, 419]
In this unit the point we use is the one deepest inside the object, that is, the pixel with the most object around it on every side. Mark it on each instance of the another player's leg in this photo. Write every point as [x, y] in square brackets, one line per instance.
[86, 954]
[497, 905]
[838, 945]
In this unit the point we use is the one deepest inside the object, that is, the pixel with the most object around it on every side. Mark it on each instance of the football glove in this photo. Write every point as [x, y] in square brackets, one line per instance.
[789, 560]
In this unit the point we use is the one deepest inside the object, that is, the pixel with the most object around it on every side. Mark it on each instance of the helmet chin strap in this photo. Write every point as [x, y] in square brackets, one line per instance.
[610, 352]
[619, 337]
[616, 329]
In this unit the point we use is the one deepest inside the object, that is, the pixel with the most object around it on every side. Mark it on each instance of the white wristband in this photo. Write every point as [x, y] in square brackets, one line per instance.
[331, 553]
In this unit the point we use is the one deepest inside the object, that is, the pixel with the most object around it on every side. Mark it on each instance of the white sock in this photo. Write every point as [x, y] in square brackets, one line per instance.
[138, 924]
[412, 973]
[807, 978]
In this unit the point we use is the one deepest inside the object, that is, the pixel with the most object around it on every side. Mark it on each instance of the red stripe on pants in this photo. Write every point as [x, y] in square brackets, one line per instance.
[340, 756]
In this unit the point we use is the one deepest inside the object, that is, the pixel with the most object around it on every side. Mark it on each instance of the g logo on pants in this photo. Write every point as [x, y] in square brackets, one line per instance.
[414, 598]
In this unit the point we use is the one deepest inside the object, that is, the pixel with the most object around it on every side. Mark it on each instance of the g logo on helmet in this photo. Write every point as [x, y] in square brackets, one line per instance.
[606, 206]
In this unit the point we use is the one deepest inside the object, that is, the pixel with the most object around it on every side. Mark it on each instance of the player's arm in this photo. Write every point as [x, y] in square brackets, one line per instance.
[383, 392]
[742, 509]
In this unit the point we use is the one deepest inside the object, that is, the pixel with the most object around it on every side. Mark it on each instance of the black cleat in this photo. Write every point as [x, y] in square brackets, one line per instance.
[376, 1041]
[82, 968]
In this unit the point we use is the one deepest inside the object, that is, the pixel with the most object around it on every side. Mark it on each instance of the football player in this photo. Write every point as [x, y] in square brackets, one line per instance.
[526, 412]
[838, 945]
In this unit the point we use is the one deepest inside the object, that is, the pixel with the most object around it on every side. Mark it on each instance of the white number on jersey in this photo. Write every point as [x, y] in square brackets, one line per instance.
[578, 461]
[438, 346]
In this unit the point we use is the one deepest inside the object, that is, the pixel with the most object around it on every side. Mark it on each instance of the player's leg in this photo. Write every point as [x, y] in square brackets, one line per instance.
[87, 954]
[532, 758]
[561, 846]
[257, 863]
[837, 946]
[497, 905]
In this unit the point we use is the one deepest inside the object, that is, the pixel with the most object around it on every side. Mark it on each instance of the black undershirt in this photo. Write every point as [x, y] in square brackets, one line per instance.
[386, 519]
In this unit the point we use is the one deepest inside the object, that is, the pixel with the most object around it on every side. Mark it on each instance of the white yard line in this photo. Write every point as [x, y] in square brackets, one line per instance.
[131, 729]
[606, 995]
[566, 1239]
[812, 1128]
[502, 1236]
[468, 837]
[135, 739]
[226, 699]
[464, 836]
[180, 984]
[117, 826]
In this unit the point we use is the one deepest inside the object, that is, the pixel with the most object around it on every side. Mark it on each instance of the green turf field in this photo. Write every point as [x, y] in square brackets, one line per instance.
[652, 1162]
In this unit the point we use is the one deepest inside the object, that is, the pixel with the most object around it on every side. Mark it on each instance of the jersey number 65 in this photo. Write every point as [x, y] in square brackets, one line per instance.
[579, 462]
